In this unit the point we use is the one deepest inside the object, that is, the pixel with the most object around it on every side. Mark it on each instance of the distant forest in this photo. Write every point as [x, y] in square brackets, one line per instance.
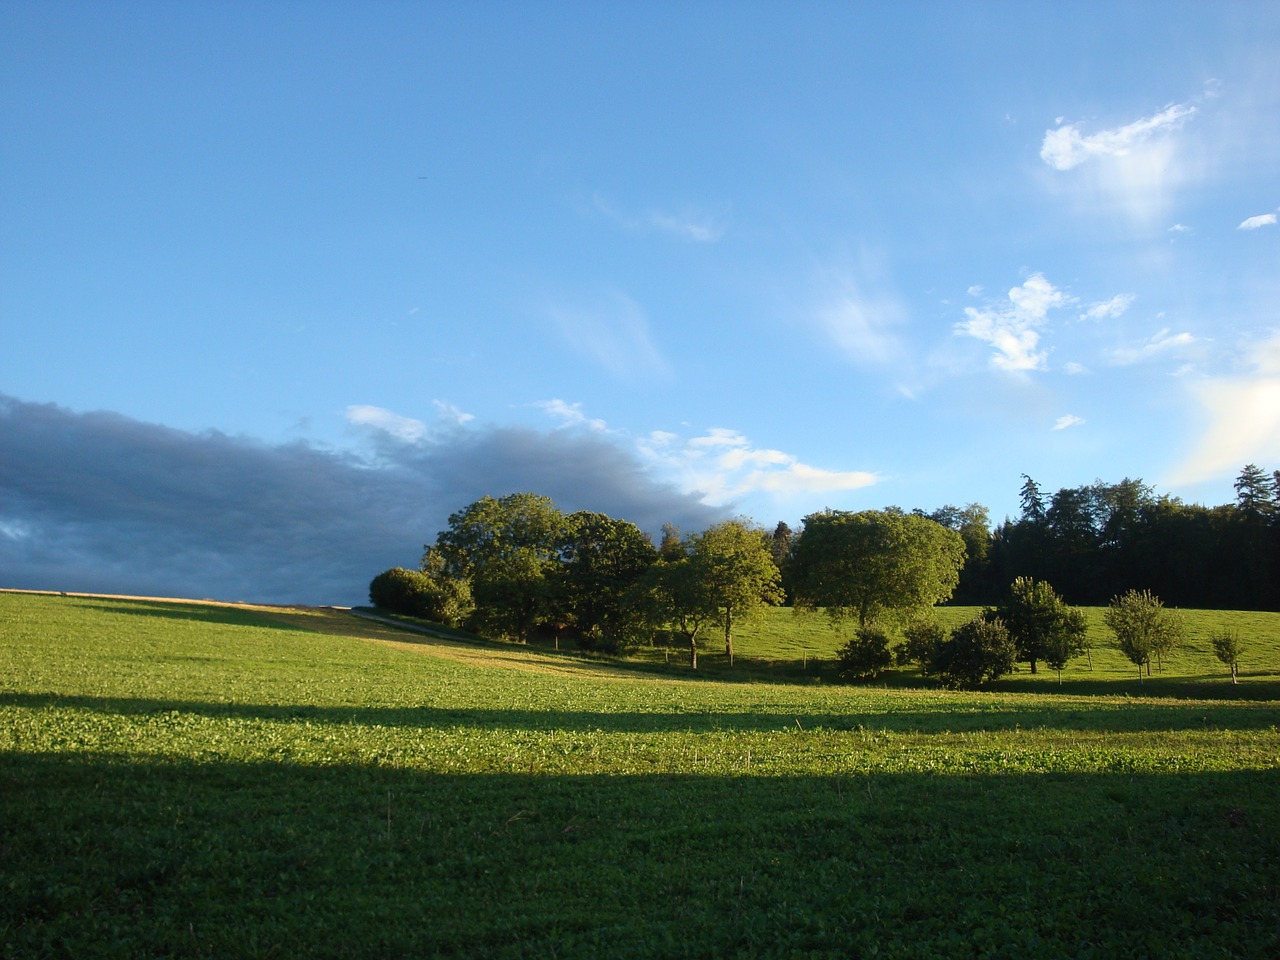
[1095, 542]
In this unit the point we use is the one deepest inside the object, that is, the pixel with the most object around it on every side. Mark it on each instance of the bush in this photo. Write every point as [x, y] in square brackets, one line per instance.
[865, 656]
[924, 636]
[414, 594]
[975, 654]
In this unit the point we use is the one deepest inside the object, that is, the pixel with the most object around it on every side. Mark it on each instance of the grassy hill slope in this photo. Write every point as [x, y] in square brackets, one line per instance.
[196, 780]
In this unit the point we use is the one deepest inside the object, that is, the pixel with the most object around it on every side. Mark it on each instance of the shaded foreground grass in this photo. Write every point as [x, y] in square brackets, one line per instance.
[178, 780]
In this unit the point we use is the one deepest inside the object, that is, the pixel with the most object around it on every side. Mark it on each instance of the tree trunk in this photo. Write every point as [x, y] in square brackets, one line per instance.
[728, 634]
[1033, 666]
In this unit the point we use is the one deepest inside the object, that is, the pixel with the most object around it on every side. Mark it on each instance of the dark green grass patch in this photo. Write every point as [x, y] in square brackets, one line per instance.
[104, 857]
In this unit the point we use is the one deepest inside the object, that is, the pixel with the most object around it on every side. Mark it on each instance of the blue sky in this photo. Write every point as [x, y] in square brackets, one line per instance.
[269, 271]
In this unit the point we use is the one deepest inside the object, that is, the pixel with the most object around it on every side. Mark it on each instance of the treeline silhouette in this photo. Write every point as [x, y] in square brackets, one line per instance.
[1097, 541]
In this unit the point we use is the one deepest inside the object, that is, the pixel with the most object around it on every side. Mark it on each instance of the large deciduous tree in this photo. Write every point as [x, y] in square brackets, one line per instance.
[600, 560]
[874, 565]
[508, 548]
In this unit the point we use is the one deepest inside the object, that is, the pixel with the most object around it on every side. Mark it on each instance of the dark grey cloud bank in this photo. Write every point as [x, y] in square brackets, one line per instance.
[98, 502]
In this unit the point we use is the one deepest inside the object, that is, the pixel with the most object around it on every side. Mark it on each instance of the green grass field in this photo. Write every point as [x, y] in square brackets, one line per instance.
[192, 780]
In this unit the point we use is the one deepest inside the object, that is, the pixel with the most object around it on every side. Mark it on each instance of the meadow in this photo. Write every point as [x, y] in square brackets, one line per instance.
[181, 779]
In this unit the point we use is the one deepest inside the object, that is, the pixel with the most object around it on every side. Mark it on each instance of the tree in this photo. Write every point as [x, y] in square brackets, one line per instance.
[1068, 640]
[1032, 501]
[1254, 492]
[874, 565]
[672, 593]
[735, 565]
[1143, 627]
[451, 600]
[1041, 625]
[600, 559]
[400, 591]
[1227, 647]
[975, 654]
[507, 548]
[866, 654]
[973, 523]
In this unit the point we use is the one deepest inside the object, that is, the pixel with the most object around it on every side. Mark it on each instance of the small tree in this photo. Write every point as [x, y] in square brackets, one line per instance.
[1042, 626]
[975, 654]
[866, 654]
[1227, 647]
[671, 594]
[1143, 628]
[736, 567]
[1068, 639]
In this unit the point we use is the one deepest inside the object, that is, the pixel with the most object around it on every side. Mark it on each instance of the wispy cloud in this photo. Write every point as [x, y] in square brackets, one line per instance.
[614, 332]
[1161, 343]
[1133, 168]
[1262, 220]
[451, 413]
[1012, 326]
[570, 415]
[691, 225]
[402, 428]
[687, 226]
[1065, 147]
[1241, 417]
[1070, 420]
[1109, 309]
[722, 466]
[857, 311]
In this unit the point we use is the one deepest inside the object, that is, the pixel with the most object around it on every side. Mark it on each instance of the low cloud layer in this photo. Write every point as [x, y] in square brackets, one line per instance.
[98, 502]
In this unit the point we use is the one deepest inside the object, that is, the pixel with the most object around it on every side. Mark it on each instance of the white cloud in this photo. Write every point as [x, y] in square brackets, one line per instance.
[613, 332]
[1242, 418]
[723, 466]
[1070, 420]
[570, 414]
[1133, 168]
[402, 428]
[1075, 369]
[1161, 343]
[1262, 220]
[1180, 228]
[1109, 309]
[1012, 327]
[1066, 147]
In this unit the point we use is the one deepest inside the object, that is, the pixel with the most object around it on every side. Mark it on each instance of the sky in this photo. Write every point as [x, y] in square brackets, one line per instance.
[284, 285]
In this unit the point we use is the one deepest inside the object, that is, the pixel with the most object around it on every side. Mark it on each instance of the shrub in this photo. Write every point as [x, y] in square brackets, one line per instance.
[865, 656]
[924, 636]
[413, 594]
[975, 654]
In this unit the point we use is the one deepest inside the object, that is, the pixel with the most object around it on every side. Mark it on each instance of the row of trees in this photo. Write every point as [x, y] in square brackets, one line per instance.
[516, 565]
[1098, 541]
[1031, 625]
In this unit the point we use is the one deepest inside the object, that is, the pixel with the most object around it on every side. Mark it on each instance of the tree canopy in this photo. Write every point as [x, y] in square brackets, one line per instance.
[874, 565]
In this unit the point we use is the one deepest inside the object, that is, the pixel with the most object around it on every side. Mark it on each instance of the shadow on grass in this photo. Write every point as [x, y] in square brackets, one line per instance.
[124, 857]
[202, 613]
[936, 717]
